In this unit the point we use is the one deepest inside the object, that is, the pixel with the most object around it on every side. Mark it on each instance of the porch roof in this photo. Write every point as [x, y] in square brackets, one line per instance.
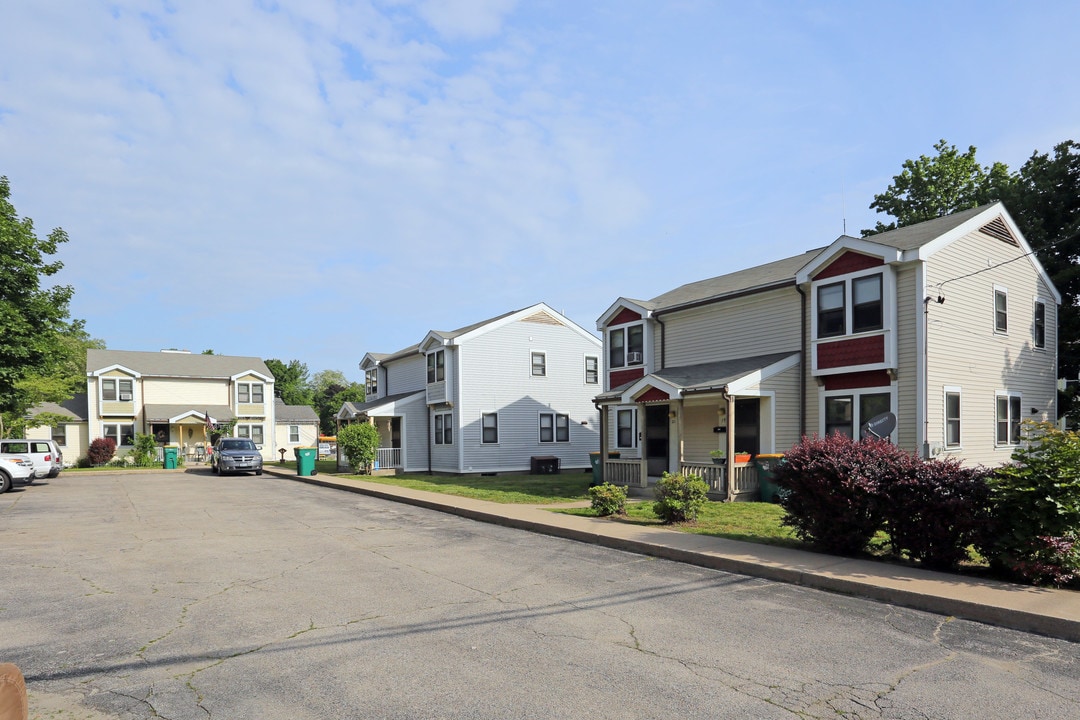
[385, 404]
[707, 377]
[161, 412]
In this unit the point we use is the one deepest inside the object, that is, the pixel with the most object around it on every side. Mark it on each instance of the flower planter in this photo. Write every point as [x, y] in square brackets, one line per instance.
[742, 457]
[719, 461]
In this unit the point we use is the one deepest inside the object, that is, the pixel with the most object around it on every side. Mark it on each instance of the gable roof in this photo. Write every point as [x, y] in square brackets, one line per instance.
[294, 413]
[77, 408]
[728, 375]
[175, 364]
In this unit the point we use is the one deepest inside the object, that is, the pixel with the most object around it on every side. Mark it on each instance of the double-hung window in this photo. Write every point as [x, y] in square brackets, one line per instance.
[1039, 327]
[592, 370]
[444, 429]
[539, 364]
[626, 346]
[554, 428]
[119, 433]
[952, 417]
[253, 432]
[831, 319]
[836, 316]
[1007, 417]
[489, 428]
[59, 434]
[624, 428]
[845, 414]
[1001, 310]
[294, 434]
[436, 366]
[866, 304]
[249, 393]
[113, 389]
[371, 383]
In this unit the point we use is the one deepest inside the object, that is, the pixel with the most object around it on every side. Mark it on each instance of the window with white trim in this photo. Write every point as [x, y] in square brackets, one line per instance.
[371, 383]
[252, 432]
[539, 364]
[952, 417]
[294, 433]
[1039, 325]
[489, 428]
[436, 366]
[865, 313]
[123, 434]
[625, 434]
[592, 370]
[249, 393]
[845, 414]
[113, 389]
[1007, 419]
[626, 346]
[59, 434]
[554, 427]
[444, 428]
[1001, 310]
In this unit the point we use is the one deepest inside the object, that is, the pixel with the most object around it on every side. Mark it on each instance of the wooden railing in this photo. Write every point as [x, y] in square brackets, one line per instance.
[746, 479]
[389, 458]
[624, 472]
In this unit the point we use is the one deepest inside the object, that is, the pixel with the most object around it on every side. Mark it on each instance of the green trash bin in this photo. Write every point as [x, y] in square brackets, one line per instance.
[305, 461]
[766, 472]
[171, 456]
[594, 460]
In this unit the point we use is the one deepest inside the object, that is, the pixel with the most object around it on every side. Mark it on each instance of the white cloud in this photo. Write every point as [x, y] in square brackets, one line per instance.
[466, 19]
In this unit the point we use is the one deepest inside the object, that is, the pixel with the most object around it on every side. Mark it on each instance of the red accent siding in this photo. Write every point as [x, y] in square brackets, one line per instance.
[653, 395]
[621, 377]
[625, 315]
[852, 381]
[848, 262]
[844, 353]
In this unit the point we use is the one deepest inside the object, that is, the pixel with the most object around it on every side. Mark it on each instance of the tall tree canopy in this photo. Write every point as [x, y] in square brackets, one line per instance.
[37, 339]
[1044, 199]
[332, 390]
[291, 382]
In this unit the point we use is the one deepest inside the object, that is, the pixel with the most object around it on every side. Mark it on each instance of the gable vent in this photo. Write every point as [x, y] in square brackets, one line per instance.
[542, 318]
[997, 228]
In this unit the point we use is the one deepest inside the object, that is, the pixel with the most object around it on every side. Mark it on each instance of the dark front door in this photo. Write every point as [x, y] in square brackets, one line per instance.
[748, 426]
[656, 439]
[395, 432]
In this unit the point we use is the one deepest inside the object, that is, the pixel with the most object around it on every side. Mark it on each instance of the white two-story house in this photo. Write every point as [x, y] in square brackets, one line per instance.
[950, 326]
[509, 394]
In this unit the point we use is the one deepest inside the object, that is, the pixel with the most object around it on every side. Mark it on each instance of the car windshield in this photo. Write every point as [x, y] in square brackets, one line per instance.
[237, 445]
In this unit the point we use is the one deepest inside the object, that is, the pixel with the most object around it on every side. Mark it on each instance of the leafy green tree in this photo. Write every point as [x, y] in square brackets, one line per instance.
[332, 390]
[932, 187]
[359, 443]
[33, 320]
[291, 382]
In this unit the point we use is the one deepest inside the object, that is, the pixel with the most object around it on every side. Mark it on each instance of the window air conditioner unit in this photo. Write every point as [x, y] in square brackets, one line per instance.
[125, 397]
[633, 358]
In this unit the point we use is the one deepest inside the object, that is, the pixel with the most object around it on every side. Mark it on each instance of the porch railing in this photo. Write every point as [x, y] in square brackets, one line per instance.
[746, 479]
[389, 458]
[624, 472]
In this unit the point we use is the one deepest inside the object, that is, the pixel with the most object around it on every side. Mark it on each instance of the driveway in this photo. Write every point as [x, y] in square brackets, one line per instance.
[188, 596]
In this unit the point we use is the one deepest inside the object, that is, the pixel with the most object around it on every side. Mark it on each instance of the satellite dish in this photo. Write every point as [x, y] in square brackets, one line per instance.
[879, 426]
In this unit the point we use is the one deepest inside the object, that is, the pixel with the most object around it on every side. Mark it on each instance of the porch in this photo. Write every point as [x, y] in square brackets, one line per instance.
[633, 473]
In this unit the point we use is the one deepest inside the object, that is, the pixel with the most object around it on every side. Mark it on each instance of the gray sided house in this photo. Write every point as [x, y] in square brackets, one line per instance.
[950, 325]
[491, 397]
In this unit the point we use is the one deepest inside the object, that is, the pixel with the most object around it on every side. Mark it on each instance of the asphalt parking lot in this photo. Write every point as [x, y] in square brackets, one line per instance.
[189, 596]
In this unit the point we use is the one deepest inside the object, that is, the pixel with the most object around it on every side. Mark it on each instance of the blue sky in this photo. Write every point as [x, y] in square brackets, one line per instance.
[315, 180]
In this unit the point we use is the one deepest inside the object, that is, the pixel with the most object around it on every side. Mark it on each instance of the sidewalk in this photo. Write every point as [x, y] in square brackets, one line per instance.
[1055, 613]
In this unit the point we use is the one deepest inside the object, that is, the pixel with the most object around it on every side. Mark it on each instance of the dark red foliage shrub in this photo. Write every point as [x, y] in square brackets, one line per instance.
[831, 489]
[101, 451]
[1050, 561]
[935, 509]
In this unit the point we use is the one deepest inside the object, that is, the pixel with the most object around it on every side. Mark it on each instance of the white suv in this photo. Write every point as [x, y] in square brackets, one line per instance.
[46, 456]
[15, 467]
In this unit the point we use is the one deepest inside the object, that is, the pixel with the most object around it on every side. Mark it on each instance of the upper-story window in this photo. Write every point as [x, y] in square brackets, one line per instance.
[1001, 310]
[835, 316]
[371, 383]
[539, 364]
[113, 389]
[1039, 327]
[626, 346]
[249, 393]
[436, 366]
[592, 370]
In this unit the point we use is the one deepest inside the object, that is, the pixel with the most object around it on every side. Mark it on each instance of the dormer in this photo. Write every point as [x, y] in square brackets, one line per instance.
[251, 394]
[117, 388]
[374, 377]
[436, 350]
[627, 336]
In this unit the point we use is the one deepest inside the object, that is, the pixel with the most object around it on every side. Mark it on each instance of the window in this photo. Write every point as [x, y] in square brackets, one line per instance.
[371, 383]
[952, 417]
[294, 433]
[1040, 324]
[866, 312]
[489, 424]
[436, 367]
[845, 414]
[249, 393]
[252, 432]
[624, 429]
[120, 433]
[59, 435]
[626, 346]
[1001, 310]
[444, 429]
[866, 304]
[1008, 419]
[592, 370]
[108, 389]
[539, 364]
[554, 428]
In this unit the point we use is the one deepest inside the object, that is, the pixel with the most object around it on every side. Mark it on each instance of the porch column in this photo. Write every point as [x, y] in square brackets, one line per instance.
[603, 441]
[730, 468]
[679, 410]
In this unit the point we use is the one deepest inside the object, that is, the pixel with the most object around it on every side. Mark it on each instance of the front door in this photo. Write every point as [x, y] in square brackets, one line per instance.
[657, 443]
[748, 426]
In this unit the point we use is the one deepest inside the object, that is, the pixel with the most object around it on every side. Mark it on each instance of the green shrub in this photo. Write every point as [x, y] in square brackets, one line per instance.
[359, 443]
[680, 497]
[608, 499]
[145, 447]
[1035, 504]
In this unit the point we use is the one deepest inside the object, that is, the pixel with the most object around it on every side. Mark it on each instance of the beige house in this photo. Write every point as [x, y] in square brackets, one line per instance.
[948, 326]
[71, 436]
[296, 426]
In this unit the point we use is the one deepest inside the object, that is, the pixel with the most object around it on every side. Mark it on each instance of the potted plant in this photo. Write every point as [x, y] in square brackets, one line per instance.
[742, 457]
[719, 457]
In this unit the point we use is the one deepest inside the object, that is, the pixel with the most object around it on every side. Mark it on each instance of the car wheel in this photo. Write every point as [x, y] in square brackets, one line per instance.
[258, 472]
[217, 470]
[5, 482]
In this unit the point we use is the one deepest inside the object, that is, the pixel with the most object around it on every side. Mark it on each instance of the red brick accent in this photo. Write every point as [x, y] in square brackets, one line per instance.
[653, 395]
[852, 381]
[626, 315]
[621, 377]
[848, 262]
[844, 353]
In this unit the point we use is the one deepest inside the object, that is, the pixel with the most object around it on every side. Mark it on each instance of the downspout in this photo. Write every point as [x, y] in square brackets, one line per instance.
[427, 418]
[803, 351]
